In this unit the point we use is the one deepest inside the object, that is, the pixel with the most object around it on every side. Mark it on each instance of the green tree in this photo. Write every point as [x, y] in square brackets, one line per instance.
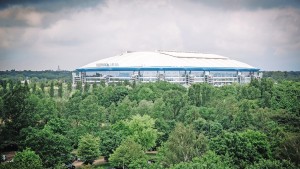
[11, 84]
[86, 87]
[34, 88]
[182, 146]
[274, 164]
[91, 115]
[94, 87]
[27, 159]
[141, 129]
[79, 86]
[128, 155]
[200, 94]
[53, 148]
[286, 95]
[244, 148]
[46, 110]
[290, 148]
[69, 86]
[17, 113]
[4, 85]
[88, 148]
[60, 89]
[190, 114]
[112, 94]
[123, 111]
[26, 84]
[51, 91]
[174, 101]
[209, 160]
[42, 87]
[144, 107]
[110, 139]
[59, 125]
[145, 93]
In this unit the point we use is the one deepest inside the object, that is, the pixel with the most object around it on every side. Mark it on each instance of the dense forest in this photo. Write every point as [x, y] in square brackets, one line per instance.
[151, 125]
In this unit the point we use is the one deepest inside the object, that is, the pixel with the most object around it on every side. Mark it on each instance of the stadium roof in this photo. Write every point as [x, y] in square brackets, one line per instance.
[165, 60]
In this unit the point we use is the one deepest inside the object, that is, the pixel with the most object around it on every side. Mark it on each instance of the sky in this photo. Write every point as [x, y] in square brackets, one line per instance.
[42, 35]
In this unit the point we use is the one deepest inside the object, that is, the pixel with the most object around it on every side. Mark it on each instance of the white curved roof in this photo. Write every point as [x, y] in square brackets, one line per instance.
[167, 59]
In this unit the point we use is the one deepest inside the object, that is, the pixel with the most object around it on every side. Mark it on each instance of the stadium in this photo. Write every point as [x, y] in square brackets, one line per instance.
[176, 67]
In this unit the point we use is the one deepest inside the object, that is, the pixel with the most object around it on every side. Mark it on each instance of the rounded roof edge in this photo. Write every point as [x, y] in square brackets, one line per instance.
[167, 60]
[167, 69]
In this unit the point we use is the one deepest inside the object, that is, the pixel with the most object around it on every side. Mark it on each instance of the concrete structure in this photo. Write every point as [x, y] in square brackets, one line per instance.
[175, 67]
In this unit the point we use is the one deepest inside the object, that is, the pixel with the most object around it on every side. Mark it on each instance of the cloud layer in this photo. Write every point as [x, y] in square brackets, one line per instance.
[42, 36]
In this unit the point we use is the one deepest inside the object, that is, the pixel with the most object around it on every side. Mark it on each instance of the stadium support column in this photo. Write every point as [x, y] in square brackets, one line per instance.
[189, 78]
[241, 78]
[207, 77]
[76, 77]
[135, 77]
[186, 78]
[83, 77]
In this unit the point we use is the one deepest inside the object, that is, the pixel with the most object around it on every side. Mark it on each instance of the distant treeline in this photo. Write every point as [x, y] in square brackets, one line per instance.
[282, 75]
[36, 75]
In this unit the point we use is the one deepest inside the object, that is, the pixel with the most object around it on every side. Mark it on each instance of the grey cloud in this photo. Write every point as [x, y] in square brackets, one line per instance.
[267, 37]
[49, 6]
[250, 4]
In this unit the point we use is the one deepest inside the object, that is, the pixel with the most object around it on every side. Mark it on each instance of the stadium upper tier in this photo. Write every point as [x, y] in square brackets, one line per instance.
[160, 60]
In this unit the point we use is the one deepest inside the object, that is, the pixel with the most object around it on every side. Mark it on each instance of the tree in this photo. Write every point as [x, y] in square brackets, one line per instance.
[34, 88]
[182, 146]
[86, 87]
[94, 87]
[26, 84]
[290, 149]
[190, 113]
[110, 139]
[11, 84]
[46, 110]
[128, 153]
[200, 94]
[274, 164]
[88, 148]
[91, 114]
[144, 107]
[51, 92]
[79, 86]
[4, 85]
[145, 93]
[27, 159]
[18, 113]
[58, 125]
[112, 94]
[209, 160]
[123, 111]
[53, 148]
[174, 101]
[141, 129]
[43, 87]
[60, 90]
[243, 147]
[69, 86]
[286, 95]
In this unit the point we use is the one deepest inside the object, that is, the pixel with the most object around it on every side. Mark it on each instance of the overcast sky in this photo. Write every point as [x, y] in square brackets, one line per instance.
[40, 35]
